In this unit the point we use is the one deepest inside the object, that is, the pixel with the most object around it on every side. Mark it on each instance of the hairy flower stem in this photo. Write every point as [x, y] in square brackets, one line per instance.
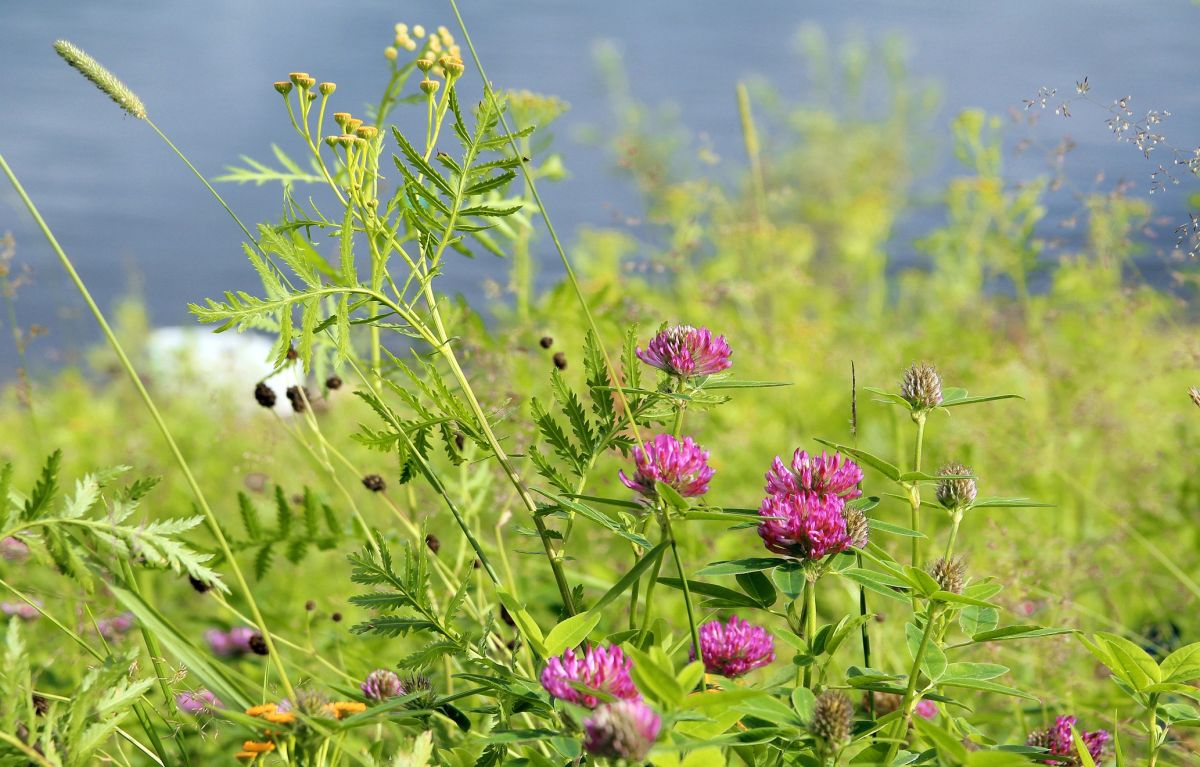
[909, 702]
[956, 518]
[914, 492]
[189, 478]
[810, 624]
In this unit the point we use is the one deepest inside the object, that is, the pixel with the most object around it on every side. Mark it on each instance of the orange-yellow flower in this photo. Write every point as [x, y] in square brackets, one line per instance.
[266, 708]
[287, 717]
[258, 747]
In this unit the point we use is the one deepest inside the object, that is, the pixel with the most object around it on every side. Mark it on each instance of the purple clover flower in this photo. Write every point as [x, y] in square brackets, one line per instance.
[382, 684]
[198, 702]
[118, 625]
[14, 549]
[826, 474]
[22, 610]
[682, 465]
[685, 351]
[625, 729]
[803, 525]
[605, 669]
[230, 643]
[926, 709]
[1058, 741]
[734, 648]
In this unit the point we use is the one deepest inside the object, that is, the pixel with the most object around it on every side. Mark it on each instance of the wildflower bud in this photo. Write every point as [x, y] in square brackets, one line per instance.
[922, 387]
[560, 360]
[327, 89]
[956, 493]
[418, 31]
[297, 77]
[382, 684]
[199, 585]
[546, 342]
[402, 29]
[429, 87]
[333, 383]
[833, 718]
[435, 43]
[453, 65]
[374, 483]
[306, 82]
[950, 574]
[425, 63]
[433, 543]
[341, 118]
[352, 125]
[264, 395]
[258, 645]
[284, 87]
[858, 529]
[367, 132]
[40, 705]
[333, 141]
[390, 53]
[1194, 393]
[410, 45]
[310, 605]
[336, 617]
[106, 81]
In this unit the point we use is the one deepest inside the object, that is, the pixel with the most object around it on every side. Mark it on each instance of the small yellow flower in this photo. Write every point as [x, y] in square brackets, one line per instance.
[402, 29]
[266, 708]
[286, 717]
[390, 53]
[418, 31]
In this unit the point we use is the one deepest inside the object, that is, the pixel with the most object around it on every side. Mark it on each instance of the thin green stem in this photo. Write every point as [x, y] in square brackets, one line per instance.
[750, 137]
[908, 702]
[648, 610]
[810, 624]
[136, 380]
[956, 520]
[1152, 732]
[687, 593]
[914, 493]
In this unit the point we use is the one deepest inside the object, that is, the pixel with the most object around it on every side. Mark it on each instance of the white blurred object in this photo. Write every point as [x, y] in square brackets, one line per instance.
[223, 367]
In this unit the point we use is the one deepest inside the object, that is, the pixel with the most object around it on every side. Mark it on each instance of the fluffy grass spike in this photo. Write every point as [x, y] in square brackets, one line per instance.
[101, 78]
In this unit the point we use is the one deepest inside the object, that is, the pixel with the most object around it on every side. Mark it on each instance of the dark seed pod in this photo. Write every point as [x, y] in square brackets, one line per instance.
[374, 483]
[506, 616]
[258, 645]
[922, 386]
[560, 360]
[40, 705]
[433, 543]
[460, 440]
[291, 353]
[199, 585]
[833, 718]
[956, 493]
[476, 564]
[264, 395]
[950, 574]
[546, 342]
[298, 398]
[333, 383]
[310, 605]
[336, 617]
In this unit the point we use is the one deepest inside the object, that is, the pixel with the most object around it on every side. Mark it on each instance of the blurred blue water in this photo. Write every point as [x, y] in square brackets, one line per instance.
[121, 205]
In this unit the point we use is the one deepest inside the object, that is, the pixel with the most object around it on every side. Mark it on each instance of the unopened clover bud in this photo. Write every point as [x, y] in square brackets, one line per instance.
[950, 574]
[833, 718]
[284, 87]
[429, 87]
[956, 493]
[327, 89]
[390, 53]
[341, 118]
[922, 387]
[425, 63]
[418, 31]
